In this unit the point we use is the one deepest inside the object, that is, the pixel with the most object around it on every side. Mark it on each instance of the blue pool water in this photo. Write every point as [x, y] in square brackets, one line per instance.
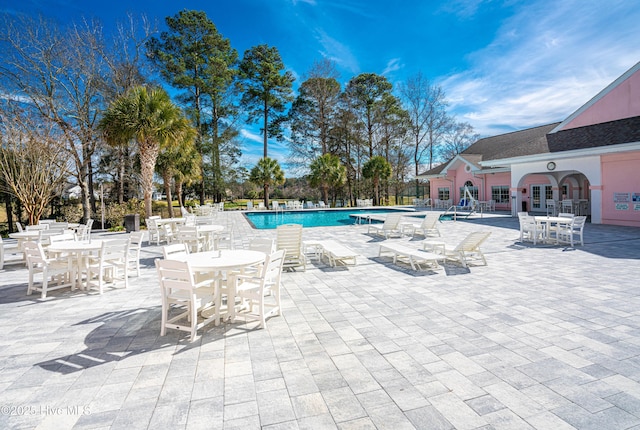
[309, 218]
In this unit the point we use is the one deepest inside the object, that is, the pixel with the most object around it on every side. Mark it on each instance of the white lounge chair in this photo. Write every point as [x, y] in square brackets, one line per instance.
[466, 251]
[415, 257]
[289, 238]
[390, 226]
[428, 226]
[337, 252]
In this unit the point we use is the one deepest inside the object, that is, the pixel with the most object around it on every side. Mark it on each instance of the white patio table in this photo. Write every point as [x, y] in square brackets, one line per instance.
[80, 249]
[209, 231]
[173, 222]
[549, 222]
[228, 261]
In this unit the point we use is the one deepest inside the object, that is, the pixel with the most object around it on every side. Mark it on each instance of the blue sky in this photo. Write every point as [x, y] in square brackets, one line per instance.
[503, 64]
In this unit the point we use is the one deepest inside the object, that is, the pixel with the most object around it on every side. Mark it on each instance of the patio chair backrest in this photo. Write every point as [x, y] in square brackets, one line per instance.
[430, 220]
[473, 241]
[391, 221]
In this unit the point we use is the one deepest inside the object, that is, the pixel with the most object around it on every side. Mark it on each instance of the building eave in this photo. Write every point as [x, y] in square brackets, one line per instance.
[612, 149]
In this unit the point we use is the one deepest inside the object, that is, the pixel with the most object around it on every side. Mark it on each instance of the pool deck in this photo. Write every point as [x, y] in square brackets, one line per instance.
[543, 337]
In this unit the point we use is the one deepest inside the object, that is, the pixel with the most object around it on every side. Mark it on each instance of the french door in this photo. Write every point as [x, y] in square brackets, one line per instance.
[539, 195]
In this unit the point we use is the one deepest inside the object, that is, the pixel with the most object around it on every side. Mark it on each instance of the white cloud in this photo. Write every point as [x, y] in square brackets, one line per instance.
[250, 135]
[254, 149]
[545, 62]
[337, 52]
[392, 66]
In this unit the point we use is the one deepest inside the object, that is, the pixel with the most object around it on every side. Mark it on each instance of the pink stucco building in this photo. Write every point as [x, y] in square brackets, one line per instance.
[591, 161]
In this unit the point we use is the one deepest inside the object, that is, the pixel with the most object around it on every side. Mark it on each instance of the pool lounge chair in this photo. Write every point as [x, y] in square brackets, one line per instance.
[415, 257]
[289, 238]
[466, 251]
[390, 226]
[337, 252]
[428, 226]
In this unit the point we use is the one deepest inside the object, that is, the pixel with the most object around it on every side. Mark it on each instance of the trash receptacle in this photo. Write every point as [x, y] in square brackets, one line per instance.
[132, 222]
[524, 206]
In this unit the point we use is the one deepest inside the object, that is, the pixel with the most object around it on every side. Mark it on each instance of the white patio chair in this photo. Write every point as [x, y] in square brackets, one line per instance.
[61, 271]
[44, 226]
[226, 238]
[10, 253]
[83, 231]
[190, 236]
[265, 245]
[576, 228]
[174, 250]
[256, 290]
[110, 266]
[46, 235]
[179, 290]
[19, 226]
[158, 232]
[289, 238]
[530, 230]
[135, 246]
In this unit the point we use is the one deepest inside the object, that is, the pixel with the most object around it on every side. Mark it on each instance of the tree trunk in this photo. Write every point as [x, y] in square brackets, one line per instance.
[148, 155]
[7, 205]
[266, 196]
[167, 191]
[266, 123]
[179, 193]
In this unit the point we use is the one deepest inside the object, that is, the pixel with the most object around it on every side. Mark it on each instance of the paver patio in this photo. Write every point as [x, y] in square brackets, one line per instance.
[542, 337]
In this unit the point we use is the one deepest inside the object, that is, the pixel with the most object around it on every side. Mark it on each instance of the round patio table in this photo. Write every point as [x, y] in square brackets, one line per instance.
[80, 249]
[229, 261]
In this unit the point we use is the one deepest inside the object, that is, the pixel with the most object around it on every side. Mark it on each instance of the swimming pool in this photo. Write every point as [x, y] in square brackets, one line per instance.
[310, 217]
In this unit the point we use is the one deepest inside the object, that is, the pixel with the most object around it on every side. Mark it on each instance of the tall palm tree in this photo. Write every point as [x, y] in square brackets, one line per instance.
[375, 169]
[326, 172]
[266, 173]
[148, 116]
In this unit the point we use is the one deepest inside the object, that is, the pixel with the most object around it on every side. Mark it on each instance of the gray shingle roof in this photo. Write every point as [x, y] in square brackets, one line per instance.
[516, 144]
[625, 130]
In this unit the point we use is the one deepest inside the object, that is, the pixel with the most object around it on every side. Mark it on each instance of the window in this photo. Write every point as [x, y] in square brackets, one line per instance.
[500, 194]
[548, 193]
[443, 194]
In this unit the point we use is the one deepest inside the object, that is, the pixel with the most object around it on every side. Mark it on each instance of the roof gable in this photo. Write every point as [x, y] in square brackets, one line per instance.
[516, 144]
[619, 100]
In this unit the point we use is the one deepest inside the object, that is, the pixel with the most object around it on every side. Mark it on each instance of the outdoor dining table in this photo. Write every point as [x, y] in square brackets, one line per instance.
[209, 232]
[229, 261]
[80, 250]
[173, 222]
[549, 222]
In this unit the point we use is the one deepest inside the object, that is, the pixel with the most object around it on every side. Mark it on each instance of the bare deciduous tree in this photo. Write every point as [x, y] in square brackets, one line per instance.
[32, 161]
